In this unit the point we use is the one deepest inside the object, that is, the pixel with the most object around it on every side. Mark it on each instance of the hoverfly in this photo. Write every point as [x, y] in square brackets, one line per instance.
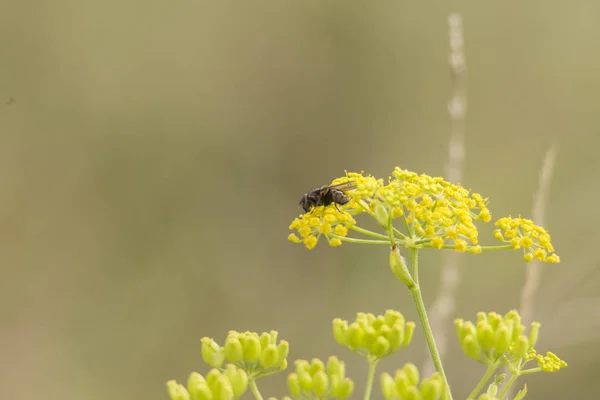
[326, 195]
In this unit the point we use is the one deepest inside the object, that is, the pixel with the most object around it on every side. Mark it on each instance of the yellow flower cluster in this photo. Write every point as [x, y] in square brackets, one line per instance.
[550, 362]
[522, 233]
[334, 220]
[434, 213]
[436, 210]
[326, 221]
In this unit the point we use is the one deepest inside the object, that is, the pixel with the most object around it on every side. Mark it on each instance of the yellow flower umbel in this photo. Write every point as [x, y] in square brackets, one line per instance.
[434, 213]
[533, 239]
[333, 221]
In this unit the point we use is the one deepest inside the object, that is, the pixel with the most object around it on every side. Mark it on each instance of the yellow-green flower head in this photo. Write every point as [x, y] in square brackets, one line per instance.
[256, 354]
[523, 234]
[374, 337]
[405, 385]
[229, 384]
[315, 380]
[494, 338]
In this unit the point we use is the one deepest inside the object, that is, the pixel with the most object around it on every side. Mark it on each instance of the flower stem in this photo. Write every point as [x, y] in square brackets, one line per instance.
[254, 390]
[512, 380]
[372, 366]
[418, 298]
[363, 241]
[368, 232]
[414, 262]
[488, 374]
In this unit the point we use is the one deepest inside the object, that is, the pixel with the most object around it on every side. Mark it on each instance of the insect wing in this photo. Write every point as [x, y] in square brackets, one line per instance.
[343, 186]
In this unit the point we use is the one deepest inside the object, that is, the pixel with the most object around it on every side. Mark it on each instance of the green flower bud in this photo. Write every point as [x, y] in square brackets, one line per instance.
[355, 335]
[380, 347]
[369, 337]
[412, 372]
[316, 365]
[382, 215]
[222, 389]
[388, 386]
[471, 347]
[409, 328]
[395, 336]
[269, 356]
[494, 320]
[402, 383]
[392, 317]
[283, 365]
[238, 379]
[379, 323]
[485, 335]
[283, 349]
[198, 387]
[533, 334]
[520, 347]
[513, 315]
[486, 396]
[334, 367]
[320, 383]
[340, 331]
[212, 377]
[412, 393]
[305, 379]
[518, 331]
[460, 332]
[177, 391]
[502, 339]
[431, 389]
[301, 366]
[294, 385]
[335, 384]
[346, 389]
[481, 317]
[212, 353]
[233, 350]
[398, 267]
[252, 348]
[265, 340]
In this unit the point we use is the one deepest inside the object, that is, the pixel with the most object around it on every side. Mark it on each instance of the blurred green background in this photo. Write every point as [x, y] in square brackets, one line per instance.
[153, 155]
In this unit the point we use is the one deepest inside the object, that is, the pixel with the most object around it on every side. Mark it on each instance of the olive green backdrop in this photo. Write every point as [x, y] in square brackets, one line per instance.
[152, 155]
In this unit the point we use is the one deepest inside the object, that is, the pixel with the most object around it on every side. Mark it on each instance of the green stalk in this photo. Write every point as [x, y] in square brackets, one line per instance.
[372, 366]
[486, 377]
[254, 390]
[368, 232]
[363, 241]
[418, 298]
[512, 380]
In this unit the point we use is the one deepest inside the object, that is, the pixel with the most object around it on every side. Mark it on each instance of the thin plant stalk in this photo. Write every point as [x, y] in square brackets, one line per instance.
[415, 291]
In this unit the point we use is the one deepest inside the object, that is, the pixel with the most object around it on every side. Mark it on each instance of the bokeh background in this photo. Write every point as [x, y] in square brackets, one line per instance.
[152, 155]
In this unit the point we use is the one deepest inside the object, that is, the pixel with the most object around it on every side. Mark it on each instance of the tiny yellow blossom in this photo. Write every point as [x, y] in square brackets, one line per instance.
[335, 242]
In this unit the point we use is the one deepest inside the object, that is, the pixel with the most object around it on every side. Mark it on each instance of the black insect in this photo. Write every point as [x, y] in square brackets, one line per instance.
[326, 195]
